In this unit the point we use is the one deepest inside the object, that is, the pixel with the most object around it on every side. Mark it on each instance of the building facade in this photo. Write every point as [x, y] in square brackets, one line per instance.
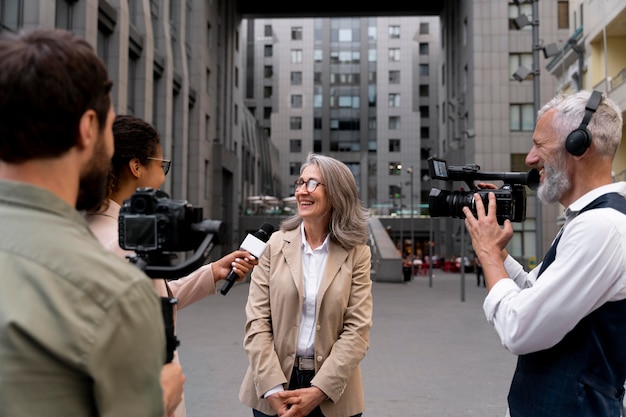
[361, 89]
[175, 64]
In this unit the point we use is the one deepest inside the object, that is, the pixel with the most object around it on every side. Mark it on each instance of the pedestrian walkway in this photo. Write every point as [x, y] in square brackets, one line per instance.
[431, 354]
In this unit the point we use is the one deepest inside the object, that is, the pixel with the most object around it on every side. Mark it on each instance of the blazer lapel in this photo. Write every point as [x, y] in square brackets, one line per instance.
[292, 251]
[336, 258]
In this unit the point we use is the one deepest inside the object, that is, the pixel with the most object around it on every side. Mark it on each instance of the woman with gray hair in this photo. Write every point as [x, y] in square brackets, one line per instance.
[309, 309]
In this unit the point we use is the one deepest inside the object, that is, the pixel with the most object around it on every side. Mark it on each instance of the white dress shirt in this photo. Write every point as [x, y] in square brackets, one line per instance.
[589, 270]
[313, 265]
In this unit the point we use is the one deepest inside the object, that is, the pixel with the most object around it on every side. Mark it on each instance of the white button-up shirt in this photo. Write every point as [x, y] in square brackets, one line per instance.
[313, 265]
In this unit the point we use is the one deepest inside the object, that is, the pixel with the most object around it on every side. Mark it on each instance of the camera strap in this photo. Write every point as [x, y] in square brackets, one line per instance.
[613, 200]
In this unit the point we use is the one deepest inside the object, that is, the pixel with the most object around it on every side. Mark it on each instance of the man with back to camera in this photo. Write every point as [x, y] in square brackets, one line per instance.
[81, 331]
[565, 318]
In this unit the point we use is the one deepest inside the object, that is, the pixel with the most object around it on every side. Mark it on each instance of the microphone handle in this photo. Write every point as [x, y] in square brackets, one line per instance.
[229, 282]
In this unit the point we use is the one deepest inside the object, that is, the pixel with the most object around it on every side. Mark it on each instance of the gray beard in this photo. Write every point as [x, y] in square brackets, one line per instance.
[555, 184]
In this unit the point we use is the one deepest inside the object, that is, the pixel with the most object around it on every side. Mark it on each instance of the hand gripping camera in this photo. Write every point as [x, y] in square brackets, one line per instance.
[510, 198]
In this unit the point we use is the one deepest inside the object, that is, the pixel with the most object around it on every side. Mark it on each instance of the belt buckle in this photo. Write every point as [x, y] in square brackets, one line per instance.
[305, 364]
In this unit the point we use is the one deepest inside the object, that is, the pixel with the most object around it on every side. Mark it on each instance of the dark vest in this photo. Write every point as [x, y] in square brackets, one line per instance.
[583, 375]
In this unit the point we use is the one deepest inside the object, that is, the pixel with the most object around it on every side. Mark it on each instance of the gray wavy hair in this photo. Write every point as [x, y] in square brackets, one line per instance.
[348, 218]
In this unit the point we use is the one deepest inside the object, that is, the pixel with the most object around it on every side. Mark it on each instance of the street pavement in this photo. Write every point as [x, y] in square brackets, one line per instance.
[432, 352]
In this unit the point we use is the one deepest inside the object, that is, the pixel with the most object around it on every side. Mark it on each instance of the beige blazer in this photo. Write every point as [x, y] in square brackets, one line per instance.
[343, 321]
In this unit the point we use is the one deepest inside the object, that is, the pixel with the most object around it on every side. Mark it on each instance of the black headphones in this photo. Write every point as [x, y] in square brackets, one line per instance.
[579, 140]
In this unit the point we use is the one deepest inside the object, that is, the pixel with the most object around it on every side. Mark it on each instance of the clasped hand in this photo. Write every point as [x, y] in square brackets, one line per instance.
[296, 403]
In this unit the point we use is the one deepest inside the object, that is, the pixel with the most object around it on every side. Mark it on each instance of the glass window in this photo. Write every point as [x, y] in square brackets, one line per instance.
[423, 48]
[296, 101]
[522, 117]
[296, 77]
[394, 122]
[295, 123]
[394, 100]
[394, 145]
[424, 69]
[424, 29]
[295, 145]
[395, 168]
[394, 54]
[394, 31]
[296, 33]
[296, 56]
[394, 77]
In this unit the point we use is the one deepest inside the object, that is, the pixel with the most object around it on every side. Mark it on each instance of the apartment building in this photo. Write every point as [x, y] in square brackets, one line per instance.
[360, 89]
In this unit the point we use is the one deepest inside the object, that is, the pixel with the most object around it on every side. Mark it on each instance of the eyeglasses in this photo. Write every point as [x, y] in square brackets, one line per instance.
[311, 184]
[165, 164]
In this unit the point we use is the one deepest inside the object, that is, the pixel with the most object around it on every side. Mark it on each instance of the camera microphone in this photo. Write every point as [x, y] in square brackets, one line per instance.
[255, 244]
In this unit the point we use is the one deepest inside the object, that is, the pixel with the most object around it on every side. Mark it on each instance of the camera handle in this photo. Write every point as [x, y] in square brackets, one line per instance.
[167, 311]
[200, 256]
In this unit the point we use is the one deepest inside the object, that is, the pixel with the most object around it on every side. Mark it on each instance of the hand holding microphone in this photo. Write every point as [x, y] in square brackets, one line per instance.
[253, 243]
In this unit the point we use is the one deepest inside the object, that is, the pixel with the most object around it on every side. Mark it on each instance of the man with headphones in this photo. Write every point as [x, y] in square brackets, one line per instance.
[566, 319]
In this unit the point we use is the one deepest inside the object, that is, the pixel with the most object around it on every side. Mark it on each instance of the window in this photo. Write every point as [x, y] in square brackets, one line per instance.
[515, 60]
[425, 132]
[515, 10]
[296, 101]
[296, 56]
[394, 77]
[424, 29]
[394, 31]
[296, 33]
[318, 55]
[394, 100]
[424, 90]
[423, 48]
[268, 71]
[394, 122]
[268, 30]
[522, 117]
[394, 54]
[345, 35]
[267, 113]
[563, 14]
[11, 15]
[424, 69]
[267, 91]
[395, 168]
[268, 51]
[295, 123]
[295, 145]
[394, 145]
[296, 77]
[424, 112]
[294, 168]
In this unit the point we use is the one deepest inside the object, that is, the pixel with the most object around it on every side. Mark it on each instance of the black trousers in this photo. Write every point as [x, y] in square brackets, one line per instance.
[299, 379]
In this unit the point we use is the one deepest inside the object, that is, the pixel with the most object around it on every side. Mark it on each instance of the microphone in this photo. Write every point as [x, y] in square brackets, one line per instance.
[255, 244]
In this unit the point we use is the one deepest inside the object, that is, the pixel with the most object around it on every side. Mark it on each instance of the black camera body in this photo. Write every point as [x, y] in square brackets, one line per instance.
[510, 198]
[155, 227]
[151, 221]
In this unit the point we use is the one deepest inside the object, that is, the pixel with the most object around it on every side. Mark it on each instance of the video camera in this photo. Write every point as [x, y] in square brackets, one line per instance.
[155, 226]
[510, 198]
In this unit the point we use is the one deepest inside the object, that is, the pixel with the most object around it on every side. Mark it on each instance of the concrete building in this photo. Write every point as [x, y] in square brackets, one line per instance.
[360, 89]
[175, 64]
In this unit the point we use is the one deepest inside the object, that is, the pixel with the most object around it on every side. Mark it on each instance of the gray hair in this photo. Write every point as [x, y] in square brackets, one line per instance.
[605, 125]
[348, 218]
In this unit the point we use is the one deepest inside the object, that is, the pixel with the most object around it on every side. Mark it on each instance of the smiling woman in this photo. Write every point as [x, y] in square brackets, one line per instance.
[327, 239]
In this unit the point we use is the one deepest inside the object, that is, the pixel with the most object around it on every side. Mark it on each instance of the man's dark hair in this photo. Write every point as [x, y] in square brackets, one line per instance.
[48, 79]
[133, 138]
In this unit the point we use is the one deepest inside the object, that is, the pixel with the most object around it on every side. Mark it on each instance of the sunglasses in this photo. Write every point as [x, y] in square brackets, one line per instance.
[165, 164]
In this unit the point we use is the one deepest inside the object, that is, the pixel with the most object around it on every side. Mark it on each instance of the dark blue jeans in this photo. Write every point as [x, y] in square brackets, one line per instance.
[299, 379]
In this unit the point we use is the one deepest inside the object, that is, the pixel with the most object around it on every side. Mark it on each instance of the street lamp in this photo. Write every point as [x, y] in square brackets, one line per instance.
[520, 75]
[410, 171]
